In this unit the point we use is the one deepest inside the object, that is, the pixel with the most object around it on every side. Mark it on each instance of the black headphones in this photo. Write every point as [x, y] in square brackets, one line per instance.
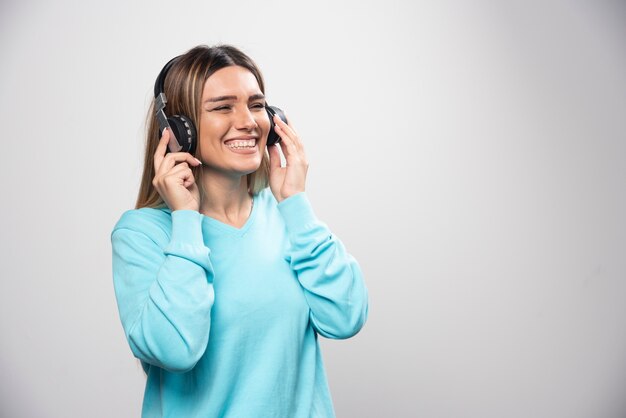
[185, 134]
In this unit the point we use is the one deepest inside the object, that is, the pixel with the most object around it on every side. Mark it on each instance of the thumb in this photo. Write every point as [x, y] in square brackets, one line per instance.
[274, 157]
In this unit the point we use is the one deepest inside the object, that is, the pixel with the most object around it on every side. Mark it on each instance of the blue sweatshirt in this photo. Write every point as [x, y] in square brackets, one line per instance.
[225, 320]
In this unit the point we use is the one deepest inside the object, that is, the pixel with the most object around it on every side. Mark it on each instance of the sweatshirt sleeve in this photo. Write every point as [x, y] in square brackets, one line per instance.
[164, 295]
[331, 278]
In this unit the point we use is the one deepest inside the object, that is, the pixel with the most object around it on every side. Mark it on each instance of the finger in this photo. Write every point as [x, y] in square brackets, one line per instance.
[161, 148]
[287, 128]
[286, 144]
[294, 155]
[294, 138]
[172, 158]
[181, 170]
[180, 173]
[179, 167]
[189, 180]
[290, 123]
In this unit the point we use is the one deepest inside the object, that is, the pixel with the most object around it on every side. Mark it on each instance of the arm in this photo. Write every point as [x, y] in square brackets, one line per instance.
[330, 277]
[165, 295]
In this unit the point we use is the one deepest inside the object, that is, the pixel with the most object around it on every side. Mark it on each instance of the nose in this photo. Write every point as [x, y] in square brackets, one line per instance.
[244, 120]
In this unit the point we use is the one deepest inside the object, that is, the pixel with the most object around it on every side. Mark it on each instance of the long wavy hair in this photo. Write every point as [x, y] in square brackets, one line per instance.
[183, 87]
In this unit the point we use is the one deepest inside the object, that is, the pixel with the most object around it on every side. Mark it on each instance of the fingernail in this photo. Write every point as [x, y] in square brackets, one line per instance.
[198, 161]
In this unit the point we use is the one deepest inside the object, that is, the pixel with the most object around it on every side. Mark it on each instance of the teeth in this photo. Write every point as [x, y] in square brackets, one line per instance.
[249, 143]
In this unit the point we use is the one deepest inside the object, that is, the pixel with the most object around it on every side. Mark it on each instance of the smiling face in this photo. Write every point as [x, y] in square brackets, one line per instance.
[233, 124]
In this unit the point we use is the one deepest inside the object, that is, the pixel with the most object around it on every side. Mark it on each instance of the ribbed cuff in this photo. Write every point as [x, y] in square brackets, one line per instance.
[187, 241]
[297, 212]
[187, 227]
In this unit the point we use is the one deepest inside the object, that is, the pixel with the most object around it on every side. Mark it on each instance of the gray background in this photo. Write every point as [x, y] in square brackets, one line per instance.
[471, 155]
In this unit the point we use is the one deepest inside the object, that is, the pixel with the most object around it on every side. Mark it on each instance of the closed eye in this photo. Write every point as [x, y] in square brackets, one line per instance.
[255, 106]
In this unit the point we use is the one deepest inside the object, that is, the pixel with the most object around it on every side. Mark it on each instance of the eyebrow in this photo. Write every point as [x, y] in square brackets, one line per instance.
[222, 98]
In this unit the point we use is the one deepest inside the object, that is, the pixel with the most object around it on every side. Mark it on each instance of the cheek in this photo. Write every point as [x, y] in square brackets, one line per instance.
[211, 131]
[264, 124]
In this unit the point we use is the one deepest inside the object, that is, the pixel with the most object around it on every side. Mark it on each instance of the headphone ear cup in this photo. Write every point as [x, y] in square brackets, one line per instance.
[185, 132]
[273, 137]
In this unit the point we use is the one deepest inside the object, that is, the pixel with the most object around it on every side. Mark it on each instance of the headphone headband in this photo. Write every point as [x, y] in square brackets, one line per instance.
[159, 85]
[181, 127]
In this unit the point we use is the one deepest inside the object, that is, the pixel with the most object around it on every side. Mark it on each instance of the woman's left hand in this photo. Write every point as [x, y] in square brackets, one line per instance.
[289, 180]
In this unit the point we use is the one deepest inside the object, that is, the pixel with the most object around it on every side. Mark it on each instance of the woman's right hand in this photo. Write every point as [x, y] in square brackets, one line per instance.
[173, 178]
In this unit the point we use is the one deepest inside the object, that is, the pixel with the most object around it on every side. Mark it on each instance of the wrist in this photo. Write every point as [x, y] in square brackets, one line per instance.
[291, 193]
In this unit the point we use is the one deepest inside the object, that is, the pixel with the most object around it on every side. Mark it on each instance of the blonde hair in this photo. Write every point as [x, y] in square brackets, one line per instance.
[183, 87]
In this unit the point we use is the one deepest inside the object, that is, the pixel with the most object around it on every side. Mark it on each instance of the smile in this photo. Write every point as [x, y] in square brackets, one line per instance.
[241, 144]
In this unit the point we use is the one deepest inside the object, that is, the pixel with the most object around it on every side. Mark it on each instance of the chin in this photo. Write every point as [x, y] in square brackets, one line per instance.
[247, 168]
[230, 164]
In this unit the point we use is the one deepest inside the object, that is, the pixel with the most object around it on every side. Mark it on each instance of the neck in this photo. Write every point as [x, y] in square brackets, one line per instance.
[225, 197]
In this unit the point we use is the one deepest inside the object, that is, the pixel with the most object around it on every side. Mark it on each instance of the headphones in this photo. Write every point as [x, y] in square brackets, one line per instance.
[185, 136]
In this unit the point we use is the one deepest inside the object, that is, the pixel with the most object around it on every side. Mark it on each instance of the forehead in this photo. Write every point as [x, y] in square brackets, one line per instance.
[233, 80]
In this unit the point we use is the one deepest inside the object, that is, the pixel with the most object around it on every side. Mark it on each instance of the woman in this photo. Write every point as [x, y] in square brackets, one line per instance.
[223, 284]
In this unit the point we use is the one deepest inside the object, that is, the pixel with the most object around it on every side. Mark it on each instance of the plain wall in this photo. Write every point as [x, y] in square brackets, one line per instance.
[471, 156]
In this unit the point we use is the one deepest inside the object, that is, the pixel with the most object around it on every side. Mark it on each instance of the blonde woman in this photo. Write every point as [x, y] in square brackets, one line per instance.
[223, 284]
